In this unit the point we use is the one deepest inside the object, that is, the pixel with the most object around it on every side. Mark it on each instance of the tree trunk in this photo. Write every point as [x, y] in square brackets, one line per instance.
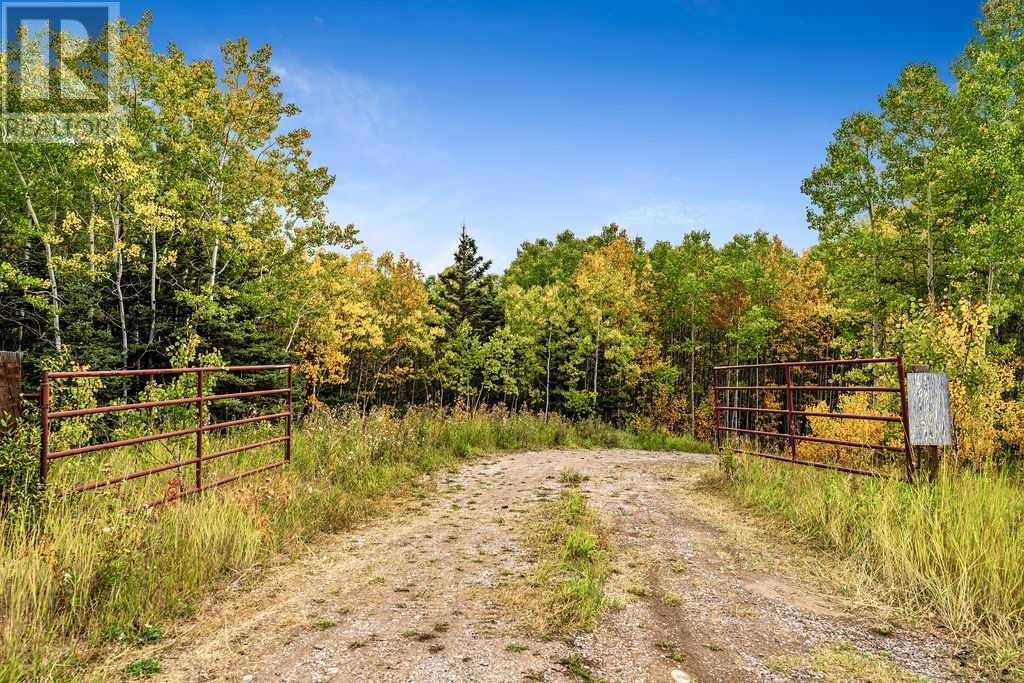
[547, 380]
[152, 286]
[693, 366]
[213, 261]
[990, 283]
[54, 298]
[931, 250]
[48, 252]
[875, 324]
[92, 250]
[597, 349]
[291, 337]
[115, 224]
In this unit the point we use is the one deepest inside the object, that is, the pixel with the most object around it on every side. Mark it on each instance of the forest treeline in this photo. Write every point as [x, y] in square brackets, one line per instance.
[202, 231]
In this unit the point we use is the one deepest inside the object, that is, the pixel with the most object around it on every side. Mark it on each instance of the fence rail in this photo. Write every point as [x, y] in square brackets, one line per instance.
[729, 386]
[202, 425]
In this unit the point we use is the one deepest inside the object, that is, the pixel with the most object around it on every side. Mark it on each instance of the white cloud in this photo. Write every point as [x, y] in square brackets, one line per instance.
[363, 120]
[669, 213]
[399, 220]
[668, 219]
[391, 183]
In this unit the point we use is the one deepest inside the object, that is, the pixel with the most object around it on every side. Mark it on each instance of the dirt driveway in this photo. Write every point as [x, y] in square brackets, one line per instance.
[701, 593]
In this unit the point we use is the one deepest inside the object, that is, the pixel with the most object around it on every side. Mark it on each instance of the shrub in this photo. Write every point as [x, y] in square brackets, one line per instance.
[988, 417]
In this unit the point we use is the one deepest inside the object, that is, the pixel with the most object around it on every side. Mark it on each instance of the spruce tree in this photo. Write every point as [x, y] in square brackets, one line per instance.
[465, 291]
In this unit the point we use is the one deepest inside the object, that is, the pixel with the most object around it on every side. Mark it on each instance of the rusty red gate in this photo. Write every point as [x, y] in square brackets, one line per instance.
[739, 391]
[202, 426]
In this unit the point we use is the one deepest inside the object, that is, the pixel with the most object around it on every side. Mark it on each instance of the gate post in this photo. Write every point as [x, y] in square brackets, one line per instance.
[929, 423]
[44, 427]
[10, 384]
[789, 411]
[905, 414]
[199, 434]
[718, 419]
[288, 424]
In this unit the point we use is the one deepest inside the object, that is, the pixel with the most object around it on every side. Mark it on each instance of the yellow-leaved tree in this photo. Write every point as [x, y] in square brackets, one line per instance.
[956, 339]
[339, 319]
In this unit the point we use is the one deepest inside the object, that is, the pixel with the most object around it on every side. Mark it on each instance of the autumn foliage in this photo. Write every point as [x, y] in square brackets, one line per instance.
[206, 224]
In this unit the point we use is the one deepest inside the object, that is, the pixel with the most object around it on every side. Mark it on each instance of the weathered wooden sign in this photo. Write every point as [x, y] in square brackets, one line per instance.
[928, 409]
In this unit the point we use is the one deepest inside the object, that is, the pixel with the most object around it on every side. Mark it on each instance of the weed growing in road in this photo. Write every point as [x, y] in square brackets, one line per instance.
[142, 668]
[418, 636]
[148, 634]
[571, 478]
[564, 592]
[614, 602]
[671, 651]
[639, 590]
[576, 667]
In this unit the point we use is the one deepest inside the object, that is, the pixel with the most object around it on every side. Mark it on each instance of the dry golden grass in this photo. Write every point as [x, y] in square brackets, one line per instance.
[843, 663]
[82, 573]
[952, 551]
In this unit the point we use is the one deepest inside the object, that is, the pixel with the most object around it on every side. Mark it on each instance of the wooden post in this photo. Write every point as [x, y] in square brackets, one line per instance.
[908, 450]
[928, 415]
[10, 388]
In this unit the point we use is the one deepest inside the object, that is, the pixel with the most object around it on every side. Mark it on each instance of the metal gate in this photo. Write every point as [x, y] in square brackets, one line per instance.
[741, 392]
[202, 424]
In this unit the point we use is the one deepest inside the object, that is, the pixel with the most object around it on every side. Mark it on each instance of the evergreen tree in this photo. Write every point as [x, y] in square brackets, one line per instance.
[466, 292]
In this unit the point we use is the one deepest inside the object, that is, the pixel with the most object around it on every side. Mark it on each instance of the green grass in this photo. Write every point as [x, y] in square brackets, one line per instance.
[953, 550]
[566, 586]
[578, 669]
[83, 573]
[142, 668]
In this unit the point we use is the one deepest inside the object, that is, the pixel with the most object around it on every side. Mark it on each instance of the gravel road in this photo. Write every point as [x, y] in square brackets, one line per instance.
[704, 592]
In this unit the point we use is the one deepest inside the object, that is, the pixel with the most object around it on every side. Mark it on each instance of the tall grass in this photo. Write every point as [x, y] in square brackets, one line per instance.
[954, 549]
[79, 572]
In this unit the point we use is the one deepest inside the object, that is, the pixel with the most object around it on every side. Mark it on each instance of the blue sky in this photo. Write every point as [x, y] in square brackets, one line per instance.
[526, 118]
